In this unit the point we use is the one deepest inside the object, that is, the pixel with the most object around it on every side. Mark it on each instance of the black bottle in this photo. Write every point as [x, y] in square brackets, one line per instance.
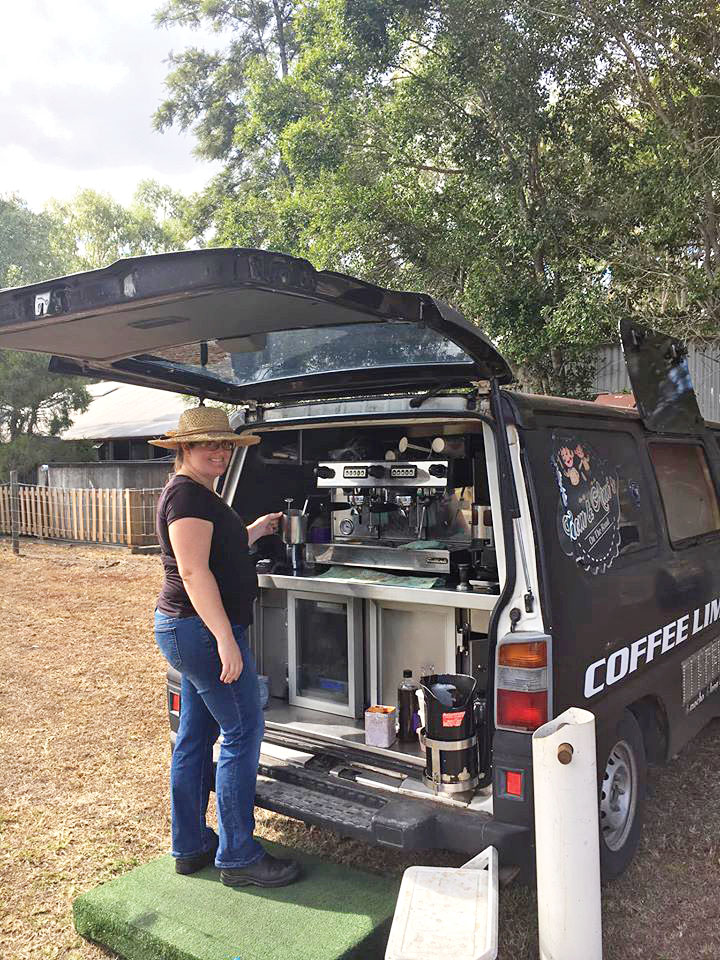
[408, 709]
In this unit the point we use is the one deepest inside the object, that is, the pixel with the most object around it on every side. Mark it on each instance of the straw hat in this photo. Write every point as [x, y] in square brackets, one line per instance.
[204, 423]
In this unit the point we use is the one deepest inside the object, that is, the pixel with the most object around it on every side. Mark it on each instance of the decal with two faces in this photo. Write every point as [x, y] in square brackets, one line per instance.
[588, 518]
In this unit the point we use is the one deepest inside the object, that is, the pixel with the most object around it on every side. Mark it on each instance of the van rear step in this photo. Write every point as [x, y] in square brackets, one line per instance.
[402, 823]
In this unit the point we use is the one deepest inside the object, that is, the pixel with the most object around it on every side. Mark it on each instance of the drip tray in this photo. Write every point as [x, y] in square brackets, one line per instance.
[430, 559]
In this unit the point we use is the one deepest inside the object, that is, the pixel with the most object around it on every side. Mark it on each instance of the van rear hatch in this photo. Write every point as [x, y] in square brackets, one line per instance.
[239, 324]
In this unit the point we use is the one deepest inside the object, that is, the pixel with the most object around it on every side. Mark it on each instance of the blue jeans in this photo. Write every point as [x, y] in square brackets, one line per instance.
[207, 707]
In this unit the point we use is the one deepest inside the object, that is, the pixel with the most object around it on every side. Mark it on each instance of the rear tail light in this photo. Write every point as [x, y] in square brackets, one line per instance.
[521, 683]
[175, 703]
[530, 655]
[514, 783]
[521, 711]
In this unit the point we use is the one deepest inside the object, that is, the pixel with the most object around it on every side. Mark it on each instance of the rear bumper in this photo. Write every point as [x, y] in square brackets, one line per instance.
[403, 823]
[385, 819]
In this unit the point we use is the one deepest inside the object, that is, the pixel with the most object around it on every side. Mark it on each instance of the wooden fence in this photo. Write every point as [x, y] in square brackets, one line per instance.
[94, 516]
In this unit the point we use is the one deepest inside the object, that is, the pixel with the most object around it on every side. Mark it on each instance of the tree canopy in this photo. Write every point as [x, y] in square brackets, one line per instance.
[547, 168]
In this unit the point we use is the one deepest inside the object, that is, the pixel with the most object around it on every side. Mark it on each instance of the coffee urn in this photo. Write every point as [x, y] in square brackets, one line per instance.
[450, 735]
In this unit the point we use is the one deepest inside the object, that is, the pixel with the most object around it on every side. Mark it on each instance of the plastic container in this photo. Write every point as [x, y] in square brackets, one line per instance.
[408, 709]
[447, 912]
[380, 726]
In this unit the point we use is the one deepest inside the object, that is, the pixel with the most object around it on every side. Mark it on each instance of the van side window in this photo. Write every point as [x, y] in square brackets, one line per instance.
[686, 489]
[637, 523]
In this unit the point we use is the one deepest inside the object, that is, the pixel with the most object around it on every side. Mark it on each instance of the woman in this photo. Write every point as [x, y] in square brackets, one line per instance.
[201, 620]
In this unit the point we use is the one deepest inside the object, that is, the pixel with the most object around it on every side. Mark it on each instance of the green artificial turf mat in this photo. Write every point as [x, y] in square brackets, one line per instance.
[152, 913]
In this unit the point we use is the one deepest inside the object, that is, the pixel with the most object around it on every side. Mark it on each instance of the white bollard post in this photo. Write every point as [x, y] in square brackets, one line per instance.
[567, 841]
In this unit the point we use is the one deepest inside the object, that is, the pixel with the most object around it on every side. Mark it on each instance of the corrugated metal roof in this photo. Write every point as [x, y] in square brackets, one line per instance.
[122, 410]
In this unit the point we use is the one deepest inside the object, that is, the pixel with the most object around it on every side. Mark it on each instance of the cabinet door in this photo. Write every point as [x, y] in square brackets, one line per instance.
[325, 653]
[408, 637]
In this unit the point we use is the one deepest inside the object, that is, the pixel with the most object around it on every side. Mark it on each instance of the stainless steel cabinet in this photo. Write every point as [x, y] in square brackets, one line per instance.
[407, 636]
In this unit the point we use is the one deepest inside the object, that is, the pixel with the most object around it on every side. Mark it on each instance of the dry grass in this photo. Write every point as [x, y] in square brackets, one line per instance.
[83, 776]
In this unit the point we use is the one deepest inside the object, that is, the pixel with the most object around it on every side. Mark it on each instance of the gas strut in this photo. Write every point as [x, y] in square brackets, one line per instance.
[507, 479]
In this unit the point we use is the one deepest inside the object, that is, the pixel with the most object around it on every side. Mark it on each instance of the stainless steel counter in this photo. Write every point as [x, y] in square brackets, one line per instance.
[378, 591]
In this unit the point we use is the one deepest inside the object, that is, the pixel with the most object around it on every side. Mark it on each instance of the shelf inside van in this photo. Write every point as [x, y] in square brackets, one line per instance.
[379, 591]
[334, 729]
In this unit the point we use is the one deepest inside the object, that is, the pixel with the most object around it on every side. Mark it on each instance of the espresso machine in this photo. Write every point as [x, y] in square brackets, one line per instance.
[400, 515]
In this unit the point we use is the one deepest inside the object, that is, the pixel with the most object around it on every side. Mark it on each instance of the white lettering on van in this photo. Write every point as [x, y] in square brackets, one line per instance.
[617, 665]
[627, 659]
[637, 647]
[715, 610]
[710, 613]
[668, 636]
[591, 685]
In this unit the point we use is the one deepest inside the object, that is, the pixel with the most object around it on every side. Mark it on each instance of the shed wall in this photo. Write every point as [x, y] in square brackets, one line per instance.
[108, 475]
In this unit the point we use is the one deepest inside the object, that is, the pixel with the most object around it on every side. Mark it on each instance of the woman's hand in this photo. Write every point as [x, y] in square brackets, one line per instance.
[264, 526]
[231, 658]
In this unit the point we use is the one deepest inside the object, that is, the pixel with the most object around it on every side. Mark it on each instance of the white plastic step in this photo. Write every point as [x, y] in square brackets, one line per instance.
[445, 912]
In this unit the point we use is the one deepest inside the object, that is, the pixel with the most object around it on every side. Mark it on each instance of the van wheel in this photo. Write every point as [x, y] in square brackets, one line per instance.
[622, 798]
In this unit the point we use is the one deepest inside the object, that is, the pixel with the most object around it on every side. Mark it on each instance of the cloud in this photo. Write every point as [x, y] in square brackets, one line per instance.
[79, 82]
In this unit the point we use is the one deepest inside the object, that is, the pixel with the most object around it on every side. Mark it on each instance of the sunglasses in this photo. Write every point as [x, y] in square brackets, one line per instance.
[215, 444]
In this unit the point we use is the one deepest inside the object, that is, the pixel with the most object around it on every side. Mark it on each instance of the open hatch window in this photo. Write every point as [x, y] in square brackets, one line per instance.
[243, 361]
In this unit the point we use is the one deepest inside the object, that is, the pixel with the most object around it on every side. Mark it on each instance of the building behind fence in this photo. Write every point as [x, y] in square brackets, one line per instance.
[123, 474]
[92, 516]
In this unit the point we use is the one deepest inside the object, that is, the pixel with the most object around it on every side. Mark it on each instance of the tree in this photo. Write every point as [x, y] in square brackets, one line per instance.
[648, 73]
[208, 92]
[35, 406]
[26, 252]
[92, 231]
[95, 230]
[548, 169]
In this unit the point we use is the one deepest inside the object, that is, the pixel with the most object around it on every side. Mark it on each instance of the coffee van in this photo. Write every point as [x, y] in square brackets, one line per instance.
[559, 552]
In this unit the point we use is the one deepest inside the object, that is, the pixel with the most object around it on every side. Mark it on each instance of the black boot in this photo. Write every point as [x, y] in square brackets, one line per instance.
[187, 865]
[266, 872]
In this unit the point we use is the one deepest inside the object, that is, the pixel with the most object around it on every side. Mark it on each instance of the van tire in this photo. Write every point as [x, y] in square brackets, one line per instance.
[623, 780]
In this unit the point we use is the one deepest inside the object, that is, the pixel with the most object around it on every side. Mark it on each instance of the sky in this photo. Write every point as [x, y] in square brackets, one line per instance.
[79, 82]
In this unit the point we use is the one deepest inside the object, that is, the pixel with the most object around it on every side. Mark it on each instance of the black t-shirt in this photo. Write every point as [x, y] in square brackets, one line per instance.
[229, 560]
